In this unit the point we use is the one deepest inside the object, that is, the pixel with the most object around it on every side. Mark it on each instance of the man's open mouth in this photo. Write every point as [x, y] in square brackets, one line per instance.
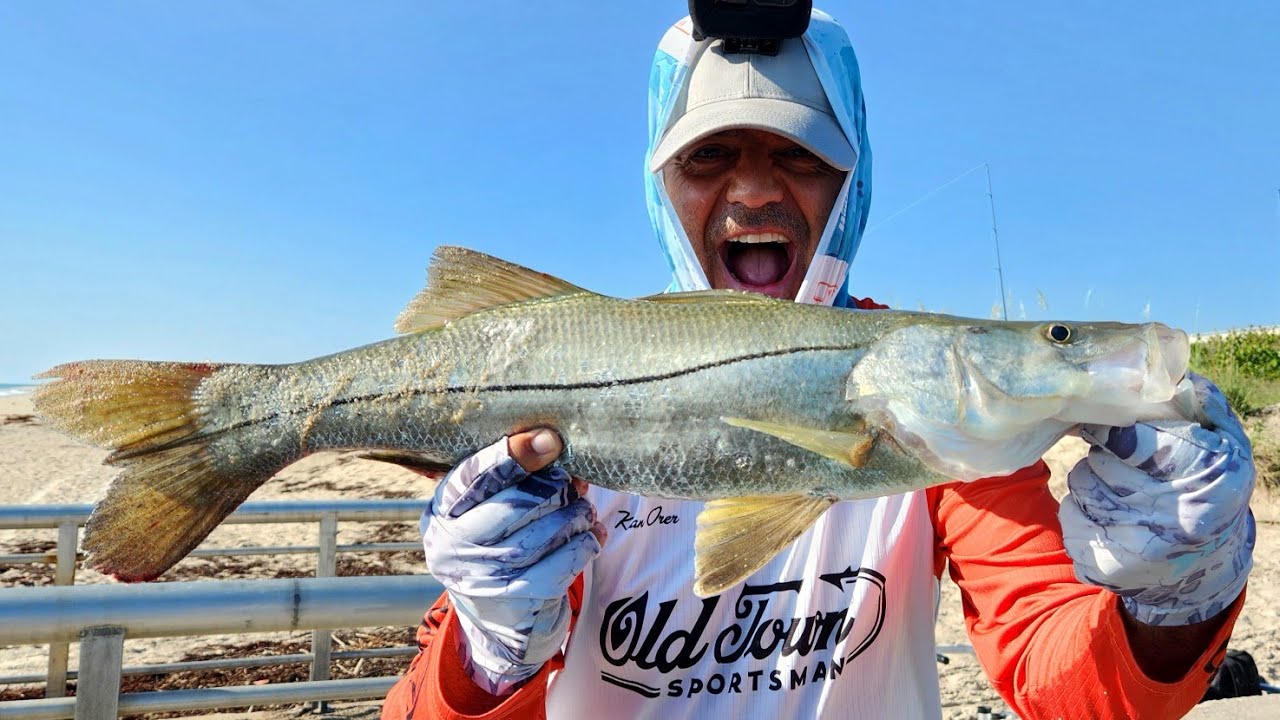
[758, 260]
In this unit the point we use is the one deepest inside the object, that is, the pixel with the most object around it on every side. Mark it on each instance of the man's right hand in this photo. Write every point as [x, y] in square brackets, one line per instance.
[506, 535]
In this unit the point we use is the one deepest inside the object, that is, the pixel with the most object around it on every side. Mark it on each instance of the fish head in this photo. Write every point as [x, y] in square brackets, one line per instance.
[977, 399]
[1097, 373]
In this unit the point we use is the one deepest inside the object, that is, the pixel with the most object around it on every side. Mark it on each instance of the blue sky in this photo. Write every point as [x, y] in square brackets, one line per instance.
[264, 181]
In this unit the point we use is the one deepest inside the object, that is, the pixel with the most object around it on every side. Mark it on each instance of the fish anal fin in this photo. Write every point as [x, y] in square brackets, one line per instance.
[738, 536]
[462, 281]
[851, 447]
[420, 463]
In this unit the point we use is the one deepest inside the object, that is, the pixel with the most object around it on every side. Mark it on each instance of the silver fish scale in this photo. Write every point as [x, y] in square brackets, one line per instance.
[638, 389]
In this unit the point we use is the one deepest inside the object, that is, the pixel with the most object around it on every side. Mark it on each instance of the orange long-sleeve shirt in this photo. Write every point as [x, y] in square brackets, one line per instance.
[1052, 646]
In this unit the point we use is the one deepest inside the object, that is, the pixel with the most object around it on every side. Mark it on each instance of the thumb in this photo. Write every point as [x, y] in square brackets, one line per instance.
[535, 449]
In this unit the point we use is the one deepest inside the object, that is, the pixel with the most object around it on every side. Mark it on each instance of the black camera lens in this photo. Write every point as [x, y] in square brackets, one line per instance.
[751, 24]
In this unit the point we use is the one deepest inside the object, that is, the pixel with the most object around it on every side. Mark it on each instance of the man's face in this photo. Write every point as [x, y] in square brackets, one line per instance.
[754, 205]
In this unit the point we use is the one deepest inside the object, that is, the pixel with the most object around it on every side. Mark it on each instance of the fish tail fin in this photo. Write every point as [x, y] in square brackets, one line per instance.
[170, 493]
[126, 405]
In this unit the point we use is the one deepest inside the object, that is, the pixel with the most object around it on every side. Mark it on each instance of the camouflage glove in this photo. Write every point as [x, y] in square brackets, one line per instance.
[506, 544]
[1158, 513]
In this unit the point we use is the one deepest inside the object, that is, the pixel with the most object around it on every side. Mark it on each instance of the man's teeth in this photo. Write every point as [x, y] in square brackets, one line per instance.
[761, 238]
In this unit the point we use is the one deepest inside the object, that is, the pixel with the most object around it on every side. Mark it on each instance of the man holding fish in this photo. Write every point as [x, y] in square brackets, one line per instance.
[775, 486]
[573, 602]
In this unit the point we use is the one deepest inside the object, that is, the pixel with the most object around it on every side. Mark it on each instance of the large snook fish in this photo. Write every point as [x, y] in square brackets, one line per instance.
[770, 410]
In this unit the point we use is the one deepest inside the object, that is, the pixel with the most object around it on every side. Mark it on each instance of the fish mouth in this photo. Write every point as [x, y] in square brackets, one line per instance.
[758, 260]
[1168, 355]
[1143, 379]
[1148, 368]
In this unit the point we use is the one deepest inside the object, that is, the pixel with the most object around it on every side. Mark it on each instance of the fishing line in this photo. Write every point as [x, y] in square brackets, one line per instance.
[926, 196]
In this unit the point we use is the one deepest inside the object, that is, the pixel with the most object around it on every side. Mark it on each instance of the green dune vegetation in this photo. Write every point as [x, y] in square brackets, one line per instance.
[1246, 365]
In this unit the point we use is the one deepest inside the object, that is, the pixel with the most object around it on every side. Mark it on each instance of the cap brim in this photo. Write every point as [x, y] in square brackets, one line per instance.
[816, 131]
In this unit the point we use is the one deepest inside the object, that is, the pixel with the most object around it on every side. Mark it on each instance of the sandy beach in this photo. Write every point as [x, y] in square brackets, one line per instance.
[39, 465]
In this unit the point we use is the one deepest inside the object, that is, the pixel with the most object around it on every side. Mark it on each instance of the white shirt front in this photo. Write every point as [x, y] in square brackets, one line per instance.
[840, 624]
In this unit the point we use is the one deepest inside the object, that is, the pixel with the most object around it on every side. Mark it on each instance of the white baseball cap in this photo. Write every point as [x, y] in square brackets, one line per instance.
[776, 93]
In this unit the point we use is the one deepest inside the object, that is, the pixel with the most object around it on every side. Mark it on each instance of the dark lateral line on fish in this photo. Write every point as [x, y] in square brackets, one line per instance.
[594, 385]
[598, 384]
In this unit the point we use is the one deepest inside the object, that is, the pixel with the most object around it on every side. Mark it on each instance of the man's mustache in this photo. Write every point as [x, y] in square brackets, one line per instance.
[736, 216]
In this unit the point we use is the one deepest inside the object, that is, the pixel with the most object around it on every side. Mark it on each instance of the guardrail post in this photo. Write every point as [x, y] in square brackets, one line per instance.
[326, 566]
[64, 573]
[98, 677]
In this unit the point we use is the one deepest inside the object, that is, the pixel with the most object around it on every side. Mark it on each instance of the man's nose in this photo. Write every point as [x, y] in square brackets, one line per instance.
[753, 182]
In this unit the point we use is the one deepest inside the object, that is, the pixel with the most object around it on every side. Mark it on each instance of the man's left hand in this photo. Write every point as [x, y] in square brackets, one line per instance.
[1158, 513]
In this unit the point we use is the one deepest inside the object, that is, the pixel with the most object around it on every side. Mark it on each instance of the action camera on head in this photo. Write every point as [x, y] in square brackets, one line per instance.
[750, 26]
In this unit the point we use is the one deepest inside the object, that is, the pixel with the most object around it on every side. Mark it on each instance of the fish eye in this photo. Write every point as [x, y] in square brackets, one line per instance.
[1060, 334]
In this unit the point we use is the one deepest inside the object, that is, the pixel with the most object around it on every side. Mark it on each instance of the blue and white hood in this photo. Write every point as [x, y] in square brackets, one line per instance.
[834, 62]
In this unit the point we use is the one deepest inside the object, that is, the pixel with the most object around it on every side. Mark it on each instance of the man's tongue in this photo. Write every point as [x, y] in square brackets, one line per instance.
[757, 263]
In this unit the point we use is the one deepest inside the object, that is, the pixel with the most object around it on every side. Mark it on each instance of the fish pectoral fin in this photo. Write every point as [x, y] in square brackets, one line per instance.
[737, 536]
[421, 463]
[851, 447]
[462, 281]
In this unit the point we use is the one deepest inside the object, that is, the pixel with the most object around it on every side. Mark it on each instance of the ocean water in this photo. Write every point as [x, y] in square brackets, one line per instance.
[14, 389]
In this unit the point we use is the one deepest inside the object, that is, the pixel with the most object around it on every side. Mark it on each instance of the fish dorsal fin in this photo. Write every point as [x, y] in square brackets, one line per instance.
[462, 281]
[709, 296]
[851, 447]
[737, 536]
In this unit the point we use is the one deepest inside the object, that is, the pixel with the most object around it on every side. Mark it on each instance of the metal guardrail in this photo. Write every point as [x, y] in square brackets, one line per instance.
[100, 617]
[209, 607]
[67, 520]
[249, 662]
[23, 517]
[179, 700]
